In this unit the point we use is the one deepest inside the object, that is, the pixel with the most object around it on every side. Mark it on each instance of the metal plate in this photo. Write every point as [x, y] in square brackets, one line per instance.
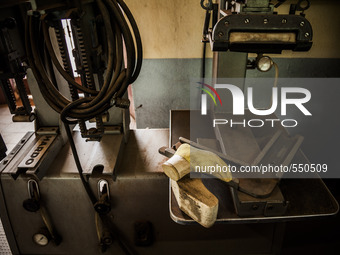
[246, 205]
[37, 152]
[15, 150]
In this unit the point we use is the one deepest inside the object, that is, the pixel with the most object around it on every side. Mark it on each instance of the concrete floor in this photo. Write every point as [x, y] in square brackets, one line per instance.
[4, 247]
[11, 131]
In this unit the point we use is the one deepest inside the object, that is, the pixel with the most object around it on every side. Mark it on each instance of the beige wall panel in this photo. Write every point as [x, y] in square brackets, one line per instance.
[169, 28]
[173, 28]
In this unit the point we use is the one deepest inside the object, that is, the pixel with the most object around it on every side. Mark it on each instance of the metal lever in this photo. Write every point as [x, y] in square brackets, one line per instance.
[103, 206]
[32, 204]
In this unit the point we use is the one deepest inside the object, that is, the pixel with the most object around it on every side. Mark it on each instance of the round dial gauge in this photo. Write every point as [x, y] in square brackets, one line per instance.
[264, 63]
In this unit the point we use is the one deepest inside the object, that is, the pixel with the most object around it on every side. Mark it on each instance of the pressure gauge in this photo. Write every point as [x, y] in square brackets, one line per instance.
[42, 238]
[264, 63]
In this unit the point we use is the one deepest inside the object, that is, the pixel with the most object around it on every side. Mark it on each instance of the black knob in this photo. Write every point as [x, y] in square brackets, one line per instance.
[102, 207]
[207, 4]
[31, 205]
[107, 238]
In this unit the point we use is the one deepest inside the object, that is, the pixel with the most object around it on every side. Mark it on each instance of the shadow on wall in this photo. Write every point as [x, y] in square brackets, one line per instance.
[164, 85]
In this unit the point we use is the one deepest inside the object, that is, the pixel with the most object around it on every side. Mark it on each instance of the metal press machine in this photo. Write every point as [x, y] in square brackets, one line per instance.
[82, 182]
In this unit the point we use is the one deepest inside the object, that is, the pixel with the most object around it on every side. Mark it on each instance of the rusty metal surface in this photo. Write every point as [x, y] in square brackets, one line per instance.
[302, 205]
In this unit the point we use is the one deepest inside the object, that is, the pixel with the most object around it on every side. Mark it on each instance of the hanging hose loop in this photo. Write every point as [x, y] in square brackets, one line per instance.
[120, 29]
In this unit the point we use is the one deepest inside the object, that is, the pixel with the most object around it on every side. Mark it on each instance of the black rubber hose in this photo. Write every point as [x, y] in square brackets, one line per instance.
[137, 39]
[79, 168]
[117, 77]
[29, 33]
[130, 49]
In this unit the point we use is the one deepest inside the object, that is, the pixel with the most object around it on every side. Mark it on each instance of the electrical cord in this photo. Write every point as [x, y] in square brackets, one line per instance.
[276, 78]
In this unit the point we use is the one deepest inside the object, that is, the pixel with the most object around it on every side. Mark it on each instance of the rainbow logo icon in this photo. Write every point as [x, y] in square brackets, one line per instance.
[209, 93]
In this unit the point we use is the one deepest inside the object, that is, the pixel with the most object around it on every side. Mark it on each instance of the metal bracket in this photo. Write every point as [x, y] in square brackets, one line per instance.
[47, 131]
[15, 150]
[112, 130]
[264, 24]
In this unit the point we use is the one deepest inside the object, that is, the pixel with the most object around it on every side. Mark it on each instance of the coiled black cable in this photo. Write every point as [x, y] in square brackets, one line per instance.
[116, 18]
